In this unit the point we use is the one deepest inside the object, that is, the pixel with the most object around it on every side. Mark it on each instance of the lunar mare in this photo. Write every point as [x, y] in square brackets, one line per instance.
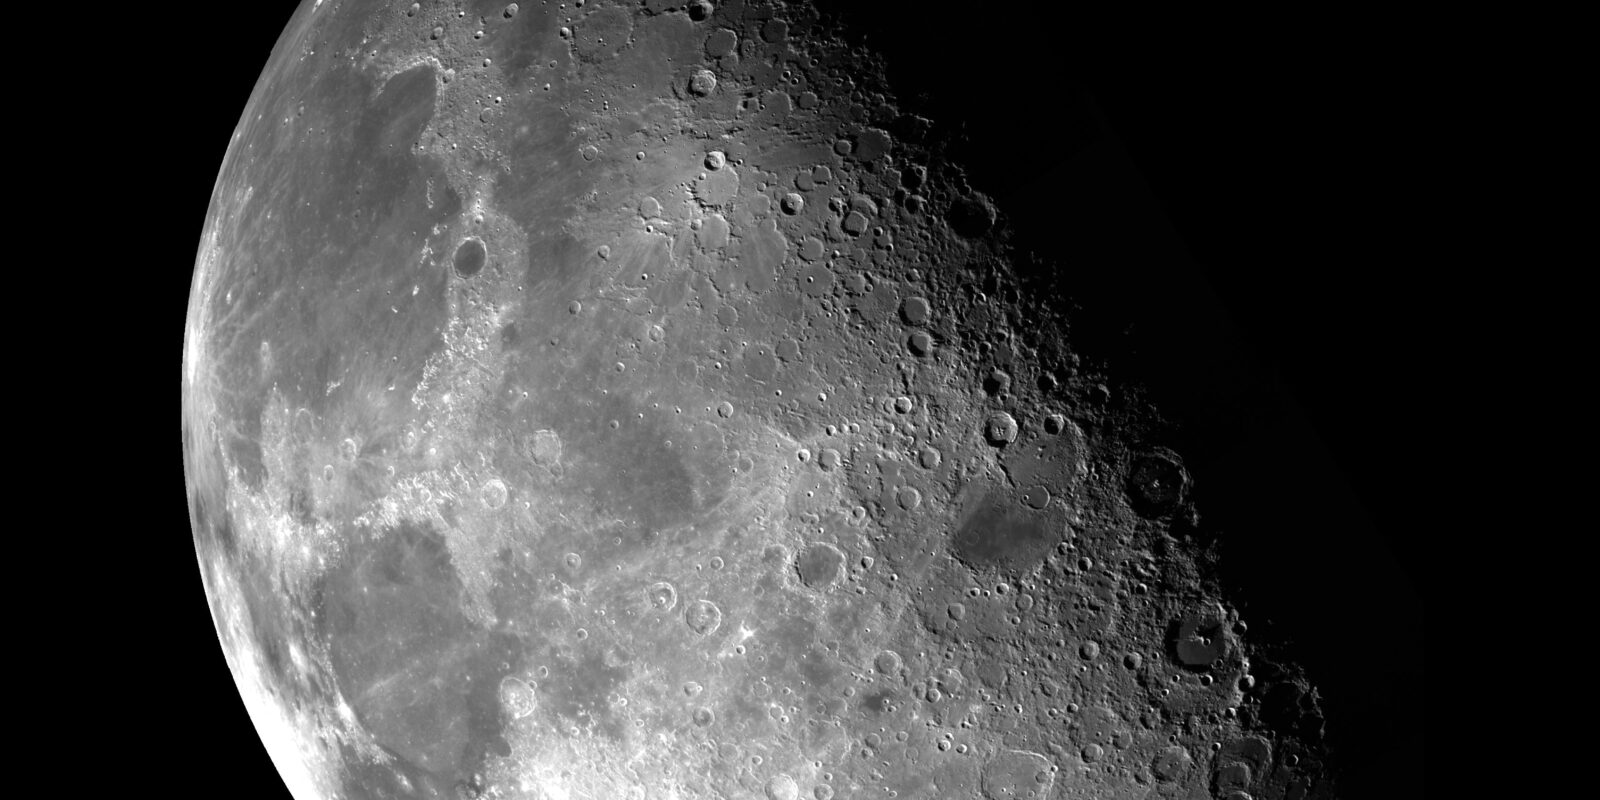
[629, 400]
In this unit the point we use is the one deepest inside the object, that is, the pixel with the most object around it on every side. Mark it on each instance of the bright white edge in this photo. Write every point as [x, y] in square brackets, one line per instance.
[290, 738]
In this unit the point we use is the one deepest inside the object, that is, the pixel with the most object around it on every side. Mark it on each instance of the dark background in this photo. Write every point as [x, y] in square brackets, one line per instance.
[1229, 202]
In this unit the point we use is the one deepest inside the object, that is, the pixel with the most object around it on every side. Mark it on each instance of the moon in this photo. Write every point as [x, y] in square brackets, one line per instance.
[645, 400]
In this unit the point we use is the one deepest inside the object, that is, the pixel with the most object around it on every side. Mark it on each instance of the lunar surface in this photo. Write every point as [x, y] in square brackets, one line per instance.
[632, 400]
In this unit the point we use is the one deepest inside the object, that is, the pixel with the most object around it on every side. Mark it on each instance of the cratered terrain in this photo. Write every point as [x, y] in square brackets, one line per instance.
[655, 400]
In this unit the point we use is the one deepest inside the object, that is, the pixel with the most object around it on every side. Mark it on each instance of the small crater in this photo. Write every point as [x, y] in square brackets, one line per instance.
[782, 787]
[1157, 483]
[493, 493]
[661, 595]
[915, 310]
[971, 217]
[1200, 638]
[887, 662]
[819, 565]
[1018, 775]
[1171, 763]
[775, 31]
[909, 497]
[721, 42]
[996, 383]
[703, 617]
[702, 83]
[1036, 497]
[543, 447]
[517, 697]
[1000, 429]
[470, 256]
